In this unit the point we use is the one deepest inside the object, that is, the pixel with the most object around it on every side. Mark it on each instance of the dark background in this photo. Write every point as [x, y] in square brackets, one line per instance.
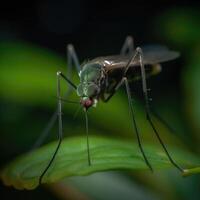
[55, 23]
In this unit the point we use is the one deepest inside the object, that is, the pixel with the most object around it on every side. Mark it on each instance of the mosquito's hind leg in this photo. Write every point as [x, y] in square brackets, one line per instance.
[147, 107]
[128, 46]
[71, 59]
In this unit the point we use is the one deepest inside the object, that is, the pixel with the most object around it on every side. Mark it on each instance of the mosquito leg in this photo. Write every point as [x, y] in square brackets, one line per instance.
[133, 56]
[71, 59]
[134, 123]
[128, 46]
[147, 108]
[60, 128]
[73, 55]
[124, 80]
[121, 82]
[87, 135]
[117, 86]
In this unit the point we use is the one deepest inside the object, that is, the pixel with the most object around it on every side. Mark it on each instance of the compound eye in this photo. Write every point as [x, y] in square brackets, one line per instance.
[92, 90]
[79, 90]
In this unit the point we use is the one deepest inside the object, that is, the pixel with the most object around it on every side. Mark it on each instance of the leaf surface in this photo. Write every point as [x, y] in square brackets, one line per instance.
[106, 154]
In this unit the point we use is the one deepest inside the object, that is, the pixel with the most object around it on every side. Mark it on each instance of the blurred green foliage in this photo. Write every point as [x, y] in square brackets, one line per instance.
[28, 73]
[181, 27]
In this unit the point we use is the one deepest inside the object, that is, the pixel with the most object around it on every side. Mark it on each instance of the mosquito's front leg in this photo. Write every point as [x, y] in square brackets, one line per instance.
[60, 124]
[72, 59]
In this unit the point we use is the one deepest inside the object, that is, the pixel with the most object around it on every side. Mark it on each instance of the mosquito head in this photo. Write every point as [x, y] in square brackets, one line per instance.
[87, 102]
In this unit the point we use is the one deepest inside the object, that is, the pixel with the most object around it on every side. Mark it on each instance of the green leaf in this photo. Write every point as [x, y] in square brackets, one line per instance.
[106, 154]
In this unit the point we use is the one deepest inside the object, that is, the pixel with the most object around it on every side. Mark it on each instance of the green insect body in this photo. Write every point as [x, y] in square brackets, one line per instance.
[92, 78]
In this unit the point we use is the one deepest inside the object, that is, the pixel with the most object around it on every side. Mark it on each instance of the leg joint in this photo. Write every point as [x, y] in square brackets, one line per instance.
[129, 40]
[59, 73]
[139, 50]
[70, 47]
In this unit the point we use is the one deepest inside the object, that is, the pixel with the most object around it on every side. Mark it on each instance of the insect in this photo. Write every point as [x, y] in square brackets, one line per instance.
[100, 79]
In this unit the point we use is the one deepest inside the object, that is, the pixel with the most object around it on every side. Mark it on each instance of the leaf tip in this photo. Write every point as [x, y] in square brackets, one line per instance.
[192, 171]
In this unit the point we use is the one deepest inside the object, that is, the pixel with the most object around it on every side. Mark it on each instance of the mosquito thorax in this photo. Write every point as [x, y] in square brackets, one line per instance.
[90, 80]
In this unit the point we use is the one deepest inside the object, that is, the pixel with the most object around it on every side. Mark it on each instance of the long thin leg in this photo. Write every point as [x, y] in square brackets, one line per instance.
[60, 127]
[134, 123]
[128, 43]
[71, 59]
[75, 59]
[87, 135]
[128, 46]
[147, 108]
[122, 81]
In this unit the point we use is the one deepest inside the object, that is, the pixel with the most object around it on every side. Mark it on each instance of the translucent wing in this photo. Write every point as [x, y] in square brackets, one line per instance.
[153, 54]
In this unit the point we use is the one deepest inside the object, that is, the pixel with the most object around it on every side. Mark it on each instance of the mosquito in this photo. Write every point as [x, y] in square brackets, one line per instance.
[102, 77]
